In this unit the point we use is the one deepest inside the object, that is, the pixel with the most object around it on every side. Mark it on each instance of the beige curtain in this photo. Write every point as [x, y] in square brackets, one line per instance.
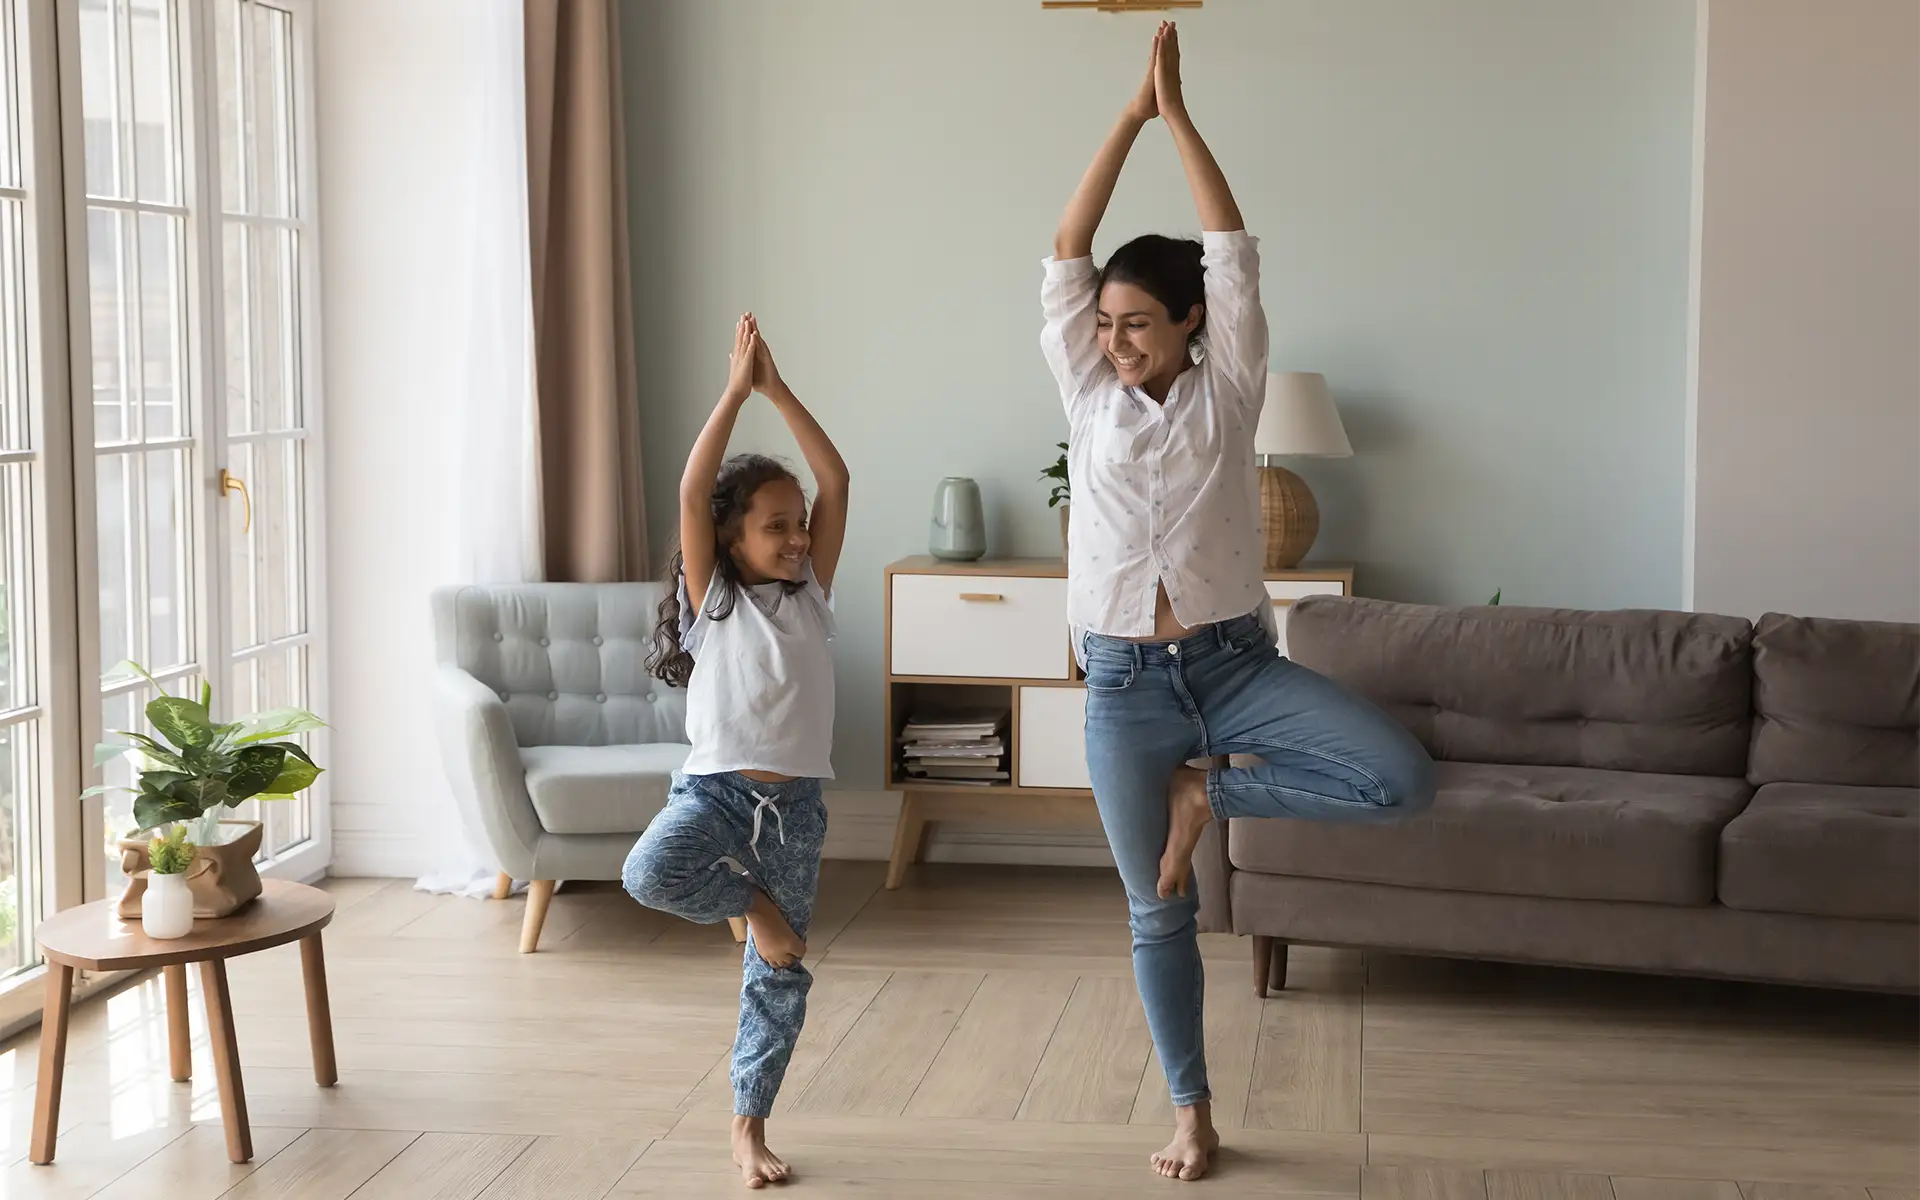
[594, 512]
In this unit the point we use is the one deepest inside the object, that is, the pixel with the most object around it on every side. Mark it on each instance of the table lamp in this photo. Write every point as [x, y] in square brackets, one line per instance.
[1299, 419]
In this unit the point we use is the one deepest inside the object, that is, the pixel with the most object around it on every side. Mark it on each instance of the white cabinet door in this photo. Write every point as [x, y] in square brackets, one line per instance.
[1053, 737]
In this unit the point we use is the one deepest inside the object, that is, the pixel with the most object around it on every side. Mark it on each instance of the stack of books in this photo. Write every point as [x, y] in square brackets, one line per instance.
[964, 748]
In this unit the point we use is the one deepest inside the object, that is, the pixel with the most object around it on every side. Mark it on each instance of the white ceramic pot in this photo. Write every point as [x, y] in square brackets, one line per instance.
[166, 910]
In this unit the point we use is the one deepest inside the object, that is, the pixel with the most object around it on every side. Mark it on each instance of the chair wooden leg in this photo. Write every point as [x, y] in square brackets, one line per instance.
[226, 1059]
[1262, 964]
[179, 1027]
[538, 893]
[313, 969]
[53, 1060]
[503, 886]
[739, 926]
[908, 832]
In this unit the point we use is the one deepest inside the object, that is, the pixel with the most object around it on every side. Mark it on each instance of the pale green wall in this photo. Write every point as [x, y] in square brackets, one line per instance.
[1474, 219]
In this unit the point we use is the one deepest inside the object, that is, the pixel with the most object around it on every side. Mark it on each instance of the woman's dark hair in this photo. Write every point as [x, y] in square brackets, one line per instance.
[1168, 269]
[733, 490]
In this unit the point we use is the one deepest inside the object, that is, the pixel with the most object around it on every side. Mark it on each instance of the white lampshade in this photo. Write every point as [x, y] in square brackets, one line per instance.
[1300, 419]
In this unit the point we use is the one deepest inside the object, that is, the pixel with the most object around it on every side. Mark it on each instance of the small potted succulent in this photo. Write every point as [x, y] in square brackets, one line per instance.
[1061, 497]
[166, 910]
[201, 769]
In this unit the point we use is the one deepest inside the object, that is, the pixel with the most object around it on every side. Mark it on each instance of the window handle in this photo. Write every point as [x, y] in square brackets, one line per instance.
[231, 483]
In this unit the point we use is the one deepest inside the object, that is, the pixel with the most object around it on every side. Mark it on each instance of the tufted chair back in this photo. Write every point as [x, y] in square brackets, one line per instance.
[568, 659]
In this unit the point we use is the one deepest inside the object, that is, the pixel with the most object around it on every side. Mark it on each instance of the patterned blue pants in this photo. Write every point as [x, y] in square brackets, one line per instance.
[720, 837]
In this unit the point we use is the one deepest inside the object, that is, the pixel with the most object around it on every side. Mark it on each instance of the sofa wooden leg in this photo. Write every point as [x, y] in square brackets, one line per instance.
[503, 886]
[539, 891]
[1277, 976]
[739, 925]
[1262, 964]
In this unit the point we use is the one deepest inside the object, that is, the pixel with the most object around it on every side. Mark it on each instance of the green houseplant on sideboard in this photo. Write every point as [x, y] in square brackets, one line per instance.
[1062, 495]
[201, 769]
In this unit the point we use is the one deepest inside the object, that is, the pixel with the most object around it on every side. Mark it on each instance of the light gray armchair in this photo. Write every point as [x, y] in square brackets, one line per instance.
[557, 742]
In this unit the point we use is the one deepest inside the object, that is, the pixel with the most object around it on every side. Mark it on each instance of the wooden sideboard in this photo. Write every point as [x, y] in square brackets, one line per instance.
[993, 634]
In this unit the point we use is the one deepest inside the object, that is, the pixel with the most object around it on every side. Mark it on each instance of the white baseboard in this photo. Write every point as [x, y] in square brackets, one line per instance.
[859, 826]
[361, 852]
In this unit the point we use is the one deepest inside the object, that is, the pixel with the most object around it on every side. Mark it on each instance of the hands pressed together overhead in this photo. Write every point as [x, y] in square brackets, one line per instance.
[750, 366]
[1159, 93]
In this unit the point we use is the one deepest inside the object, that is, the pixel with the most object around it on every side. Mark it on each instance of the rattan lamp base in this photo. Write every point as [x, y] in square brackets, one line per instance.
[1289, 515]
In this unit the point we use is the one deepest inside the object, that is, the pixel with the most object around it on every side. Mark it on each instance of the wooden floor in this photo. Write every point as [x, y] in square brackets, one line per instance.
[975, 1034]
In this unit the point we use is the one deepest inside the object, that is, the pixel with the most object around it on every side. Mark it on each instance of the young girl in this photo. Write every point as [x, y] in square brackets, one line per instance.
[746, 634]
[1161, 358]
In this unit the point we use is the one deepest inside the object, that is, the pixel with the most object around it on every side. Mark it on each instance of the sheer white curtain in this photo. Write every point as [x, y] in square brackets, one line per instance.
[498, 460]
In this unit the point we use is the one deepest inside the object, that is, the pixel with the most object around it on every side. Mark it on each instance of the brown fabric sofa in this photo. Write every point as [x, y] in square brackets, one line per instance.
[1646, 791]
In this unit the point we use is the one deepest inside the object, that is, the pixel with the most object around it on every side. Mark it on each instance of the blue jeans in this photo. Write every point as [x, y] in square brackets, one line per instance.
[1328, 756]
[720, 837]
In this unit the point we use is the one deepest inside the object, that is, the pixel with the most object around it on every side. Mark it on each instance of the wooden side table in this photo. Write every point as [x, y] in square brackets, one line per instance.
[92, 938]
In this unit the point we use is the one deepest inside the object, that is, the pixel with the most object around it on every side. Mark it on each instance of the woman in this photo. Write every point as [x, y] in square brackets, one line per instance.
[1161, 357]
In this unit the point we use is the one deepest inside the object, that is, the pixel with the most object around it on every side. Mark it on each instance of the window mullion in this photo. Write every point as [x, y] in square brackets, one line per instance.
[206, 419]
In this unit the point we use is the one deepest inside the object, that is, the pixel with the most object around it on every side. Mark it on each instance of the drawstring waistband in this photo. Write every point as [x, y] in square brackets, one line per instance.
[766, 804]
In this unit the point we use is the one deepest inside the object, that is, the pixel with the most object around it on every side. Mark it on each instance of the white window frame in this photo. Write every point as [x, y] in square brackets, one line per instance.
[308, 860]
[69, 865]
[50, 840]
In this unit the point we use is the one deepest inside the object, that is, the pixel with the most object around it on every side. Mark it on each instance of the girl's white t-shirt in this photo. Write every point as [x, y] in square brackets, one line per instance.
[761, 695]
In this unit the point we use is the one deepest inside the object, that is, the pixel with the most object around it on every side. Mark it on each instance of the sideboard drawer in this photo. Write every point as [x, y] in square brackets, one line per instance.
[980, 627]
[1289, 590]
[1053, 738]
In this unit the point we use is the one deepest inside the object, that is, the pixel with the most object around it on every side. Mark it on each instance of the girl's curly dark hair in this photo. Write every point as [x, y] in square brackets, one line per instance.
[733, 490]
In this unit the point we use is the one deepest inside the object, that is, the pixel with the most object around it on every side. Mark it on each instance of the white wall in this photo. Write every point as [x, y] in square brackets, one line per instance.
[393, 78]
[1806, 479]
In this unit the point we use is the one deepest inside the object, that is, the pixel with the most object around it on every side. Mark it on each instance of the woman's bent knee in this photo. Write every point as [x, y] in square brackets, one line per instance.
[1154, 920]
[1409, 782]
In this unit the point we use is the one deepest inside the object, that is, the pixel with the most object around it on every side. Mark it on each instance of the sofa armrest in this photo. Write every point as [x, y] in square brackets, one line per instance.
[482, 761]
[1211, 873]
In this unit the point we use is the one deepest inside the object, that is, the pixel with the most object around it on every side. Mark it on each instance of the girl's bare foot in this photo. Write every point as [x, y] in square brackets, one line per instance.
[1194, 1144]
[759, 1166]
[773, 938]
[1188, 815]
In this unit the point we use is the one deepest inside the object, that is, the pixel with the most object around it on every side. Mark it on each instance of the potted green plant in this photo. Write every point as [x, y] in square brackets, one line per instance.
[201, 769]
[1061, 497]
[166, 910]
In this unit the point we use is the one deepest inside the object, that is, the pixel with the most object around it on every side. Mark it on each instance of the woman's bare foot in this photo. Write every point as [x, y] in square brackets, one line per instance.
[759, 1166]
[1194, 1144]
[773, 938]
[1188, 815]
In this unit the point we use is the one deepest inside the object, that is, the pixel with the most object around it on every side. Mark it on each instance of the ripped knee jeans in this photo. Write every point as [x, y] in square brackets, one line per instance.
[719, 838]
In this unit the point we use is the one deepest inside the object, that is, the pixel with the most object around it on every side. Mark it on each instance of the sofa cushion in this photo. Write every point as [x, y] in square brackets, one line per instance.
[1656, 692]
[1570, 832]
[600, 789]
[1836, 702]
[1825, 850]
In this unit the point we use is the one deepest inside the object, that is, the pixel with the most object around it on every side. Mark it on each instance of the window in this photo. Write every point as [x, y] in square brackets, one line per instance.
[27, 381]
[165, 514]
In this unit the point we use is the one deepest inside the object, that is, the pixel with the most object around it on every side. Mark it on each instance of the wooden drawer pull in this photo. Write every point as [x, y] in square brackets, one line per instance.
[982, 597]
